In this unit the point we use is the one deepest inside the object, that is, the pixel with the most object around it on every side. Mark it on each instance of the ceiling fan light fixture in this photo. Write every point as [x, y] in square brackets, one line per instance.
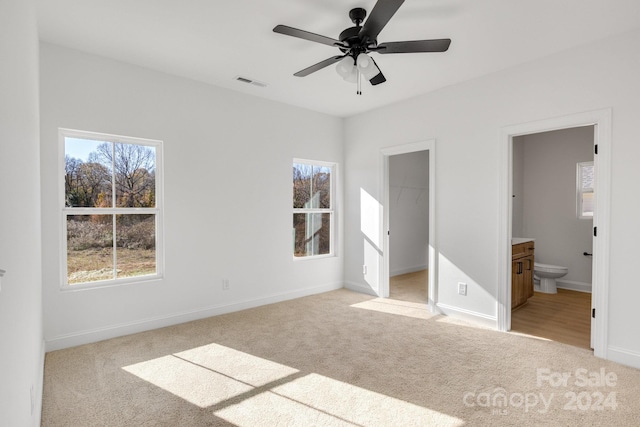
[366, 66]
[352, 77]
[345, 67]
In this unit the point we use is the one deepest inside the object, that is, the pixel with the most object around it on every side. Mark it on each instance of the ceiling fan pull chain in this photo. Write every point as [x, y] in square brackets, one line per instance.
[359, 89]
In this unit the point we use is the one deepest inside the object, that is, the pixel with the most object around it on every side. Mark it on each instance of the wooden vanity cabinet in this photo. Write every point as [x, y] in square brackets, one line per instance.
[522, 260]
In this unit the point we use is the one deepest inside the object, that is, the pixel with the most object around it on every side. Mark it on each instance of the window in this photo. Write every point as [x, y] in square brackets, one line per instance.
[585, 186]
[313, 208]
[111, 208]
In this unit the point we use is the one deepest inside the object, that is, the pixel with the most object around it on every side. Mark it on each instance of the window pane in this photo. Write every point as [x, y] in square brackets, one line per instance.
[586, 176]
[311, 186]
[311, 234]
[587, 204]
[321, 187]
[89, 248]
[301, 185]
[135, 176]
[88, 175]
[135, 245]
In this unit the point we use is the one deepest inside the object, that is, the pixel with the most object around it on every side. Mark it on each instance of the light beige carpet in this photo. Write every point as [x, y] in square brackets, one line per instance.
[335, 359]
[409, 287]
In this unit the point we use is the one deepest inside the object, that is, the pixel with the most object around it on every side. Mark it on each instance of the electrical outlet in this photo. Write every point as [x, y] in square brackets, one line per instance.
[225, 284]
[462, 288]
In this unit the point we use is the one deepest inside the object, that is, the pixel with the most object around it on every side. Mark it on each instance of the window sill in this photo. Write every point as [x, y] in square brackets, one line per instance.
[111, 283]
[308, 258]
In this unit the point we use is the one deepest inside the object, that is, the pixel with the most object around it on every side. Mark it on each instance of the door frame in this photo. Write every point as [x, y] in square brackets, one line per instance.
[386, 152]
[601, 120]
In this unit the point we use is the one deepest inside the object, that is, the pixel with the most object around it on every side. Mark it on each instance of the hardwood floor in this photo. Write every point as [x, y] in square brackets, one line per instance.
[410, 287]
[564, 317]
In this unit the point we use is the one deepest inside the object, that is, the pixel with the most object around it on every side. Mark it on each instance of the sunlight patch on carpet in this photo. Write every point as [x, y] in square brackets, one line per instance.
[195, 384]
[208, 375]
[318, 400]
[270, 409]
[392, 306]
[247, 390]
[244, 367]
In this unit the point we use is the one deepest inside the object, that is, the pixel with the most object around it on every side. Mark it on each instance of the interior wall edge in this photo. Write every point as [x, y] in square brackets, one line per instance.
[357, 287]
[624, 356]
[468, 315]
[574, 285]
[407, 270]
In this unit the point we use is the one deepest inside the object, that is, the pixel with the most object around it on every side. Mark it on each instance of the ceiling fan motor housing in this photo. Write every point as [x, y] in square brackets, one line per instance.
[357, 15]
[351, 36]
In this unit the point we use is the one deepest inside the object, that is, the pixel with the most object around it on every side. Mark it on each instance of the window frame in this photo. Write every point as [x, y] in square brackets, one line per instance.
[331, 211]
[66, 211]
[580, 191]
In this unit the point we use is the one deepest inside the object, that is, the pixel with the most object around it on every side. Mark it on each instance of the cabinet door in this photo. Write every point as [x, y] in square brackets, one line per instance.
[528, 276]
[517, 282]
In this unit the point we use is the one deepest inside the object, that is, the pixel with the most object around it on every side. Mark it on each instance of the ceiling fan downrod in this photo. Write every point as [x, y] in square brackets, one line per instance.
[357, 15]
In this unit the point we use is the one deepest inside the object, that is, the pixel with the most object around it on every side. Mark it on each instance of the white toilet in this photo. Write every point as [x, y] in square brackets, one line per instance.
[547, 275]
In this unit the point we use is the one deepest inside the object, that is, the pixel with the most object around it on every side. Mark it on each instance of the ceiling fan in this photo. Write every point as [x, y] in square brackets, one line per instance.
[357, 42]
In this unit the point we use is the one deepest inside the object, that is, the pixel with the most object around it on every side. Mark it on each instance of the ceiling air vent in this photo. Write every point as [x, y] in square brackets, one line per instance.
[250, 81]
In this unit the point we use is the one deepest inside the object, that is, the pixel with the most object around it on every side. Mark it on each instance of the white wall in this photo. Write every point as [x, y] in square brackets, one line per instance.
[408, 212]
[21, 346]
[227, 190]
[466, 120]
[549, 203]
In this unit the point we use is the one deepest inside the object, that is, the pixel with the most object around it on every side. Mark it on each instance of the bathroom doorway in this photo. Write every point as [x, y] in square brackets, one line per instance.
[553, 183]
[601, 122]
[408, 196]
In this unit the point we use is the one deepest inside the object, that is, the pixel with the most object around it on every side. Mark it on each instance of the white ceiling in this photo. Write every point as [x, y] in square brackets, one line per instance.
[214, 41]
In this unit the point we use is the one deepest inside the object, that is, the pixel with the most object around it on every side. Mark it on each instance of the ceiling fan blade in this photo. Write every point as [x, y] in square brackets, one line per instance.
[319, 66]
[378, 78]
[378, 18]
[306, 35]
[438, 45]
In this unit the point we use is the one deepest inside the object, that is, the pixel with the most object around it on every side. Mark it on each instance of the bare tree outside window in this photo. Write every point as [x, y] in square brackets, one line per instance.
[312, 209]
[134, 167]
[121, 242]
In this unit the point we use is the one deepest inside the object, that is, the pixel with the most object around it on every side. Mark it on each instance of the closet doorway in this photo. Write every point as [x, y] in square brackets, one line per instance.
[408, 256]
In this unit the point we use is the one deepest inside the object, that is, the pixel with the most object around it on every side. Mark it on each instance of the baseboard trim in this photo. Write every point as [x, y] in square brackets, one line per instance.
[573, 285]
[357, 287]
[469, 315]
[407, 270]
[99, 334]
[623, 356]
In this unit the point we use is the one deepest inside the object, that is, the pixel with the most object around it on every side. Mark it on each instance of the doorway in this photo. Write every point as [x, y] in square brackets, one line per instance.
[552, 181]
[408, 226]
[601, 120]
[406, 256]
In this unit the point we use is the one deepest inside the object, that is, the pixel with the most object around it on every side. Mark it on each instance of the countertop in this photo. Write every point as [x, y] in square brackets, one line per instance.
[518, 240]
